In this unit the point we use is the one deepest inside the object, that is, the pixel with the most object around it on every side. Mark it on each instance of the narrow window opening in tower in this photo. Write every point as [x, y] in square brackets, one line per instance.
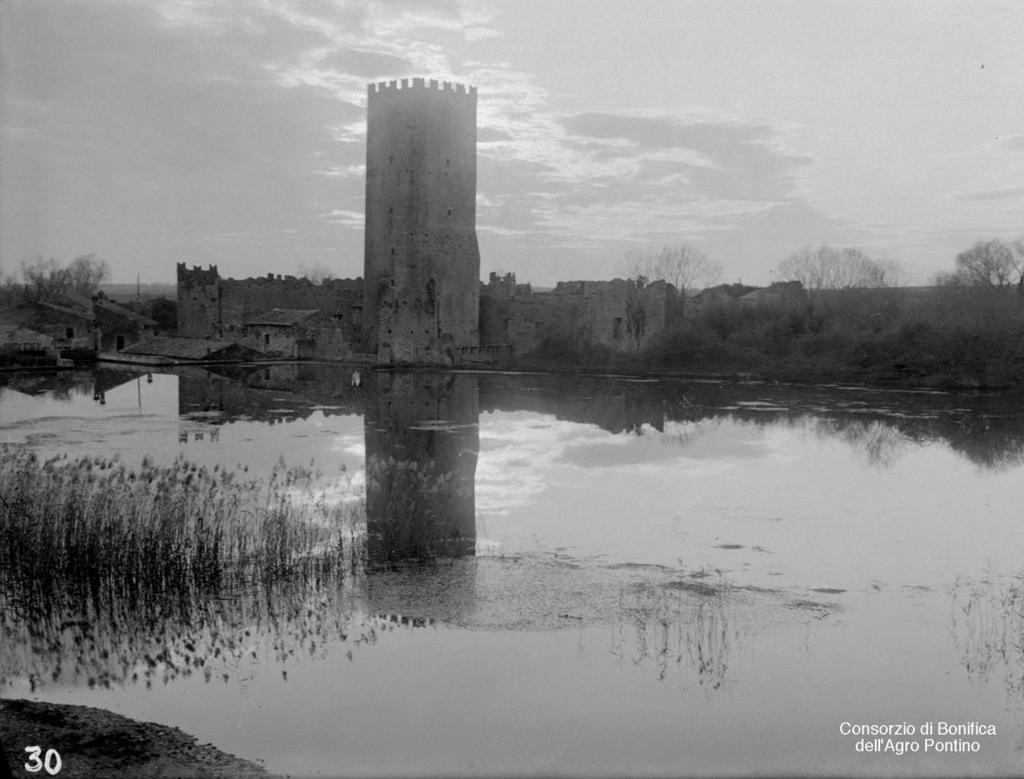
[449, 212]
[431, 295]
[392, 251]
[448, 162]
[391, 210]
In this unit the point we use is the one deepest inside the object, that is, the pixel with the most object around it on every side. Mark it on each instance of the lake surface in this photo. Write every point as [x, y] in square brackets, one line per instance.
[619, 577]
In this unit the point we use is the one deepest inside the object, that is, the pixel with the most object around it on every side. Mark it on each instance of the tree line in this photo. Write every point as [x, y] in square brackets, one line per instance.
[991, 263]
[47, 279]
[853, 319]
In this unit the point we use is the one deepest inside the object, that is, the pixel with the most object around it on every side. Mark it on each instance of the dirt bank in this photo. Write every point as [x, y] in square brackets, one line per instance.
[97, 743]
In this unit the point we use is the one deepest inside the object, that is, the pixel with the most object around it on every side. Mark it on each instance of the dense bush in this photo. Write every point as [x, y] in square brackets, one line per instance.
[953, 335]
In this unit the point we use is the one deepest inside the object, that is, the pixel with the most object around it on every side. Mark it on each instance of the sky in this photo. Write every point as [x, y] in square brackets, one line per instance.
[232, 132]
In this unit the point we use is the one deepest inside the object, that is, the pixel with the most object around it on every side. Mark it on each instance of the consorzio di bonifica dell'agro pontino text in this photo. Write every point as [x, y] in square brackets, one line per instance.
[901, 738]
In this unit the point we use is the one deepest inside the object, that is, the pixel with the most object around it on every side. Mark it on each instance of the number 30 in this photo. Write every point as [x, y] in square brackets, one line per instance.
[51, 762]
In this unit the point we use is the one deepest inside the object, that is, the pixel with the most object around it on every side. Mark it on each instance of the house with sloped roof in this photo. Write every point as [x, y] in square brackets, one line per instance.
[69, 326]
[172, 351]
[297, 334]
[77, 323]
[118, 327]
[16, 338]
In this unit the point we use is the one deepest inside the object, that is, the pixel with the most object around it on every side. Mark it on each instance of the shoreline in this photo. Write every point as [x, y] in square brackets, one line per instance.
[95, 742]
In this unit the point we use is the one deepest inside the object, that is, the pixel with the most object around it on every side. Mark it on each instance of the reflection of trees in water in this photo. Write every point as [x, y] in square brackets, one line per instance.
[883, 436]
[686, 626]
[988, 629]
[60, 385]
[108, 638]
[988, 429]
[988, 443]
[882, 444]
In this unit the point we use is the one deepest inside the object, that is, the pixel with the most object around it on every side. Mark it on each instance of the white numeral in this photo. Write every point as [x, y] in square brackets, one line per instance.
[50, 762]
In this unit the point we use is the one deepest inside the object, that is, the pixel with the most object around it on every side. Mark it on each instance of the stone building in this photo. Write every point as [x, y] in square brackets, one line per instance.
[77, 323]
[213, 307]
[286, 332]
[421, 260]
[620, 314]
[299, 334]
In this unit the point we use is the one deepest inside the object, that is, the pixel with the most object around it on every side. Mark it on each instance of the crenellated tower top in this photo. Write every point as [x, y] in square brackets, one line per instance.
[404, 84]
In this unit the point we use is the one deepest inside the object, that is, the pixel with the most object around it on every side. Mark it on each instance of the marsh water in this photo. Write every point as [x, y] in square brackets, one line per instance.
[626, 576]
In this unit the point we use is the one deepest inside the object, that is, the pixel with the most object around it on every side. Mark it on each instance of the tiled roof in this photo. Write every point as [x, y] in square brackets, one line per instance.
[127, 313]
[183, 348]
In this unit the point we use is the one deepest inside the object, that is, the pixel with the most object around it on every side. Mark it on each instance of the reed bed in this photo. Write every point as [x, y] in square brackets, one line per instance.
[112, 575]
[93, 522]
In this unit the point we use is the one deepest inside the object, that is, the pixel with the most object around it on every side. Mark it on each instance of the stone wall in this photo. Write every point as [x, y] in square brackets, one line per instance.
[619, 314]
[209, 306]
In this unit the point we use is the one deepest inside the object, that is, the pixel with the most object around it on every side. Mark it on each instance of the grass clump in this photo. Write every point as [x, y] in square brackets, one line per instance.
[93, 523]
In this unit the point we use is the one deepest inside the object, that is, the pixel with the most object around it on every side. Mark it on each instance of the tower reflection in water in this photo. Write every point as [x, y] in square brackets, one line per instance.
[422, 441]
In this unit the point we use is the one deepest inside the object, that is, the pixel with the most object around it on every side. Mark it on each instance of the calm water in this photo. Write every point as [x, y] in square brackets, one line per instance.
[639, 577]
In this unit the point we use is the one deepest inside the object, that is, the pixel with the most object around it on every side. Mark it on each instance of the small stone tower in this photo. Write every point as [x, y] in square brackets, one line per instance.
[421, 299]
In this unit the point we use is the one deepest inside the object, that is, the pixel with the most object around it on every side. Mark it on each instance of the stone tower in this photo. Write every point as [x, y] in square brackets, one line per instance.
[421, 300]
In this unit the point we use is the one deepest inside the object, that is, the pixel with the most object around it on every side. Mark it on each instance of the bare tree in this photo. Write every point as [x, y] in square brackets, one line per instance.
[317, 272]
[86, 272]
[829, 267]
[46, 279]
[991, 263]
[11, 292]
[683, 266]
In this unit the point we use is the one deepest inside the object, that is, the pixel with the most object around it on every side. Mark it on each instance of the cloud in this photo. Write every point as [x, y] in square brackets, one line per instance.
[1014, 142]
[366, 64]
[346, 217]
[713, 160]
[610, 180]
[662, 132]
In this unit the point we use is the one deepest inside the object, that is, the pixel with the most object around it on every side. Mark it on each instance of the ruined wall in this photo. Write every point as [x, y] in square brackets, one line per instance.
[209, 306]
[422, 261]
[619, 314]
